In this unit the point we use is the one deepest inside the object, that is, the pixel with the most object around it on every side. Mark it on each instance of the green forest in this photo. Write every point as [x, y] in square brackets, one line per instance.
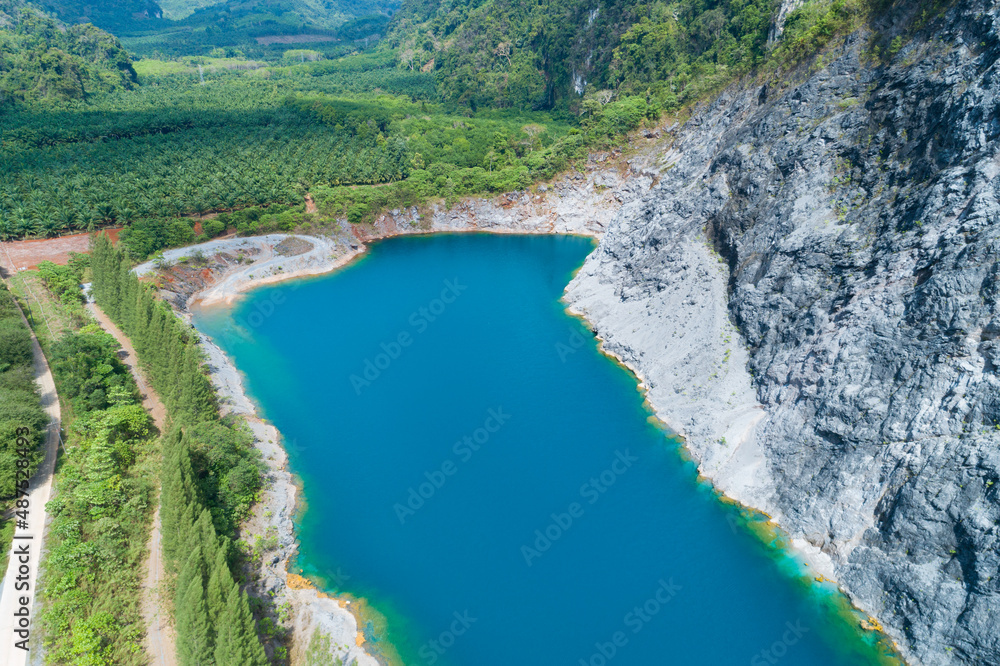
[19, 400]
[100, 514]
[41, 59]
[456, 99]
[19, 410]
[210, 472]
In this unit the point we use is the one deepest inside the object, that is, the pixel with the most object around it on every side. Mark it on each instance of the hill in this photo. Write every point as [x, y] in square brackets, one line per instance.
[194, 27]
[579, 55]
[43, 59]
[111, 15]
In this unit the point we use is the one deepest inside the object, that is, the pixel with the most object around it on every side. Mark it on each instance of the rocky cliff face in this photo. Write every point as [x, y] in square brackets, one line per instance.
[810, 293]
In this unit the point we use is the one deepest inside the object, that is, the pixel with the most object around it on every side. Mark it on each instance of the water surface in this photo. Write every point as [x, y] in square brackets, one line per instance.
[494, 486]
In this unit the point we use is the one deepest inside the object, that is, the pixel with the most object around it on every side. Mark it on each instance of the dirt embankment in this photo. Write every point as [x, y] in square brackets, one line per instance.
[27, 254]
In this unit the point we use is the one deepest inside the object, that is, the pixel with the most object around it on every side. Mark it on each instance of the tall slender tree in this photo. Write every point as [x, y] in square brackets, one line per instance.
[236, 645]
[195, 642]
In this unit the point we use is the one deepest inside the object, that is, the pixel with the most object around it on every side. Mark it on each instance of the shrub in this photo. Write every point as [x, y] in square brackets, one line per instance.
[356, 213]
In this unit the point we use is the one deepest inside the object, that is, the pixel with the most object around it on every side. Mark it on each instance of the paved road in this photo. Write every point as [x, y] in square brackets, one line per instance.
[22, 568]
[160, 639]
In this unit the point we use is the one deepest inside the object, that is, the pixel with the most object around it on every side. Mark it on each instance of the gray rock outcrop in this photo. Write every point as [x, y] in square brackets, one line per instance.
[810, 294]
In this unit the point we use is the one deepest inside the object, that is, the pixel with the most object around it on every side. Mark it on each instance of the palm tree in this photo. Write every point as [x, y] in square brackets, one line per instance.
[65, 217]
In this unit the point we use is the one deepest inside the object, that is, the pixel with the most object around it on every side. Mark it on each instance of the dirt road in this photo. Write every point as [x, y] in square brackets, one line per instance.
[22, 567]
[160, 638]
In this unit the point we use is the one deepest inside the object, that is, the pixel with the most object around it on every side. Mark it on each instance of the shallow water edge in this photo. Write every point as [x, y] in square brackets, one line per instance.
[769, 534]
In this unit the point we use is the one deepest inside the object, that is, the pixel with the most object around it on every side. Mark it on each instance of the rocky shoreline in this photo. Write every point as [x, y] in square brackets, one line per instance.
[700, 388]
[805, 280]
[313, 611]
[576, 204]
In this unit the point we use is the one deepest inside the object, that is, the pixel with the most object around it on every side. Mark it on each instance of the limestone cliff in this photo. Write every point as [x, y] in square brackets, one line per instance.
[811, 292]
[805, 274]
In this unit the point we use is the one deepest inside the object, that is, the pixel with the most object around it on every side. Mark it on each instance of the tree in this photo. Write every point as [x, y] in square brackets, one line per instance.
[237, 644]
[220, 581]
[177, 496]
[195, 643]
[532, 130]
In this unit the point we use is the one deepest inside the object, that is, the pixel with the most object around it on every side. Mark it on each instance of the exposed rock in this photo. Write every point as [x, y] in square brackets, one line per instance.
[856, 214]
[786, 8]
[293, 246]
[226, 267]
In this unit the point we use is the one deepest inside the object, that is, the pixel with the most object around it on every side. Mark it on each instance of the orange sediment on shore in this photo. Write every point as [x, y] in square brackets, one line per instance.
[871, 624]
[297, 582]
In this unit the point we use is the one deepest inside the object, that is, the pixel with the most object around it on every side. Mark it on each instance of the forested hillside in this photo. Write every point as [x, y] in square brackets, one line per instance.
[577, 54]
[242, 28]
[252, 27]
[113, 15]
[459, 99]
[247, 139]
[42, 59]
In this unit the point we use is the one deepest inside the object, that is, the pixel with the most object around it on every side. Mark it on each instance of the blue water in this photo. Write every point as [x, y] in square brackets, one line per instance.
[494, 487]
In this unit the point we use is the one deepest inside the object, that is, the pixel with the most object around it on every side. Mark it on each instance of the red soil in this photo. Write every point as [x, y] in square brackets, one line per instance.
[22, 255]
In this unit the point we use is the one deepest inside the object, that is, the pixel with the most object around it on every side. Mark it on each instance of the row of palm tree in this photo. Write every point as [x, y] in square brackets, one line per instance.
[73, 187]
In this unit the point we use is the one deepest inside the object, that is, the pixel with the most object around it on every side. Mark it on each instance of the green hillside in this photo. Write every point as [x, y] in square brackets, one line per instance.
[112, 15]
[577, 55]
[456, 100]
[195, 27]
[43, 59]
[252, 30]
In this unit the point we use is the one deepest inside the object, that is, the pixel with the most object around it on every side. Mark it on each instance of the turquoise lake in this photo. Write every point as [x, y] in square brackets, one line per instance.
[490, 483]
